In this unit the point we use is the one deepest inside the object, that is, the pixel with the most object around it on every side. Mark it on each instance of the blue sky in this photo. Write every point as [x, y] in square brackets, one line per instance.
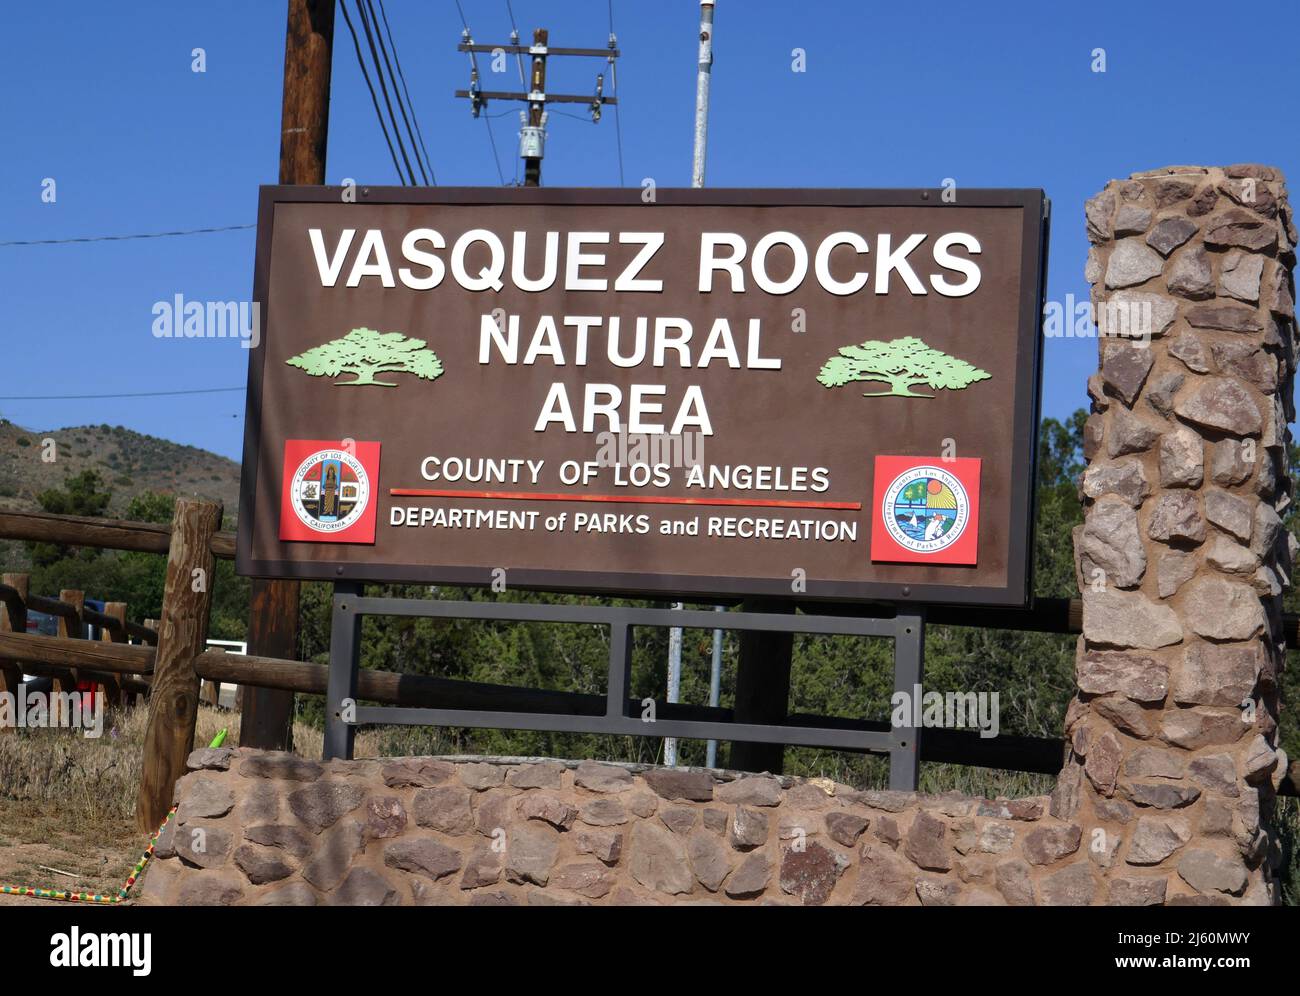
[101, 98]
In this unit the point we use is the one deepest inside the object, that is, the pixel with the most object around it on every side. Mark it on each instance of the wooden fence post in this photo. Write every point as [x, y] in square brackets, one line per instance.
[116, 610]
[174, 694]
[13, 620]
[153, 625]
[74, 629]
[211, 693]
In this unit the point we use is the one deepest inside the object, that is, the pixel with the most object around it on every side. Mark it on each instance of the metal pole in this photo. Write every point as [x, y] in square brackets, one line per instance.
[345, 656]
[702, 92]
[715, 686]
[702, 80]
[674, 683]
[909, 672]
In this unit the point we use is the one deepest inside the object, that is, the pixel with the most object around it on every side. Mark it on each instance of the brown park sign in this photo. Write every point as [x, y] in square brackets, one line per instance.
[827, 394]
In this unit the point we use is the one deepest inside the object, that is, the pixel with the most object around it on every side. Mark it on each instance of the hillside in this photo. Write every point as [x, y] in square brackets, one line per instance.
[128, 462]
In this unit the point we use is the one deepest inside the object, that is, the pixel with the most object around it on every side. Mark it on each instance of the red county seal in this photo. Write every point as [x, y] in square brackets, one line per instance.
[328, 491]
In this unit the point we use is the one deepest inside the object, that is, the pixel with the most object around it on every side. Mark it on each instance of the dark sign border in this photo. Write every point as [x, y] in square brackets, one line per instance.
[1033, 269]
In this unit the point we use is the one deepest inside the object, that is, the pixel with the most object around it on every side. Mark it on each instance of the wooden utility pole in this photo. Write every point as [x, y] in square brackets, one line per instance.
[532, 133]
[304, 119]
[267, 719]
[182, 633]
[536, 108]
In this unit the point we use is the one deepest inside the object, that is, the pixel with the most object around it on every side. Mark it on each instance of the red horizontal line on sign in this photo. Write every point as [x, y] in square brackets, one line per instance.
[852, 506]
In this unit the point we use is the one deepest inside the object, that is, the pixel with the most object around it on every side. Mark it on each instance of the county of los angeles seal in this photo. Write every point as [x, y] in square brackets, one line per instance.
[925, 509]
[330, 491]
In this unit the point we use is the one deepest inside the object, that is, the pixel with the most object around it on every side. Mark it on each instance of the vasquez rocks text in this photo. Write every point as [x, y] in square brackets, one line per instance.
[479, 261]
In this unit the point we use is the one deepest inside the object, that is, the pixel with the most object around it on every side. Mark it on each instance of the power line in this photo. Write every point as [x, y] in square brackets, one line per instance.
[473, 61]
[133, 394]
[124, 238]
[410, 103]
[373, 99]
[618, 125]
[570, 114]
[397, 96]
[464, 23]
[514, 38]
[415, 151]
[519, 61]
[383, 88]
[613, 79]
[496, 157]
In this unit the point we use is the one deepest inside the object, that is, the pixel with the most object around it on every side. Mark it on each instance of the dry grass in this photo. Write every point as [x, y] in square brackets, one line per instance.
[68, 801]
[88, 781]
[92, 782]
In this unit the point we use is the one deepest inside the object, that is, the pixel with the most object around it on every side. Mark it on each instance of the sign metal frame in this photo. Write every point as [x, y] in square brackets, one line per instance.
[343, 715]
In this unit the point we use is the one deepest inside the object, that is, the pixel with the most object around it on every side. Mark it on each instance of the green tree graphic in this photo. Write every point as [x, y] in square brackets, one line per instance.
[902, 364]
[365, 353]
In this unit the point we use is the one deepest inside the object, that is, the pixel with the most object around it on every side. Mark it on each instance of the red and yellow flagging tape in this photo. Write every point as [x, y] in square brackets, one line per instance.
[99, 898]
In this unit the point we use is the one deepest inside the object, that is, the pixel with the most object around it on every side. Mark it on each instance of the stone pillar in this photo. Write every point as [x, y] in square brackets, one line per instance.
[1183, 558]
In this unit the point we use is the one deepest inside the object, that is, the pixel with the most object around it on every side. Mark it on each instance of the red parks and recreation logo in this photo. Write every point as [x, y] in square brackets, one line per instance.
[926, 510]
[329, 491]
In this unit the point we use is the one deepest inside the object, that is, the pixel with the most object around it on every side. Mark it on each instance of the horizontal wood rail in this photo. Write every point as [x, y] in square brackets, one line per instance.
[145, 633]
[108, 534]
[115, 658]
[53, 607]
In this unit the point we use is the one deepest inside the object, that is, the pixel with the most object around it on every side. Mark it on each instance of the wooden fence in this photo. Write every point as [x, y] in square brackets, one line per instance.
[169, 661]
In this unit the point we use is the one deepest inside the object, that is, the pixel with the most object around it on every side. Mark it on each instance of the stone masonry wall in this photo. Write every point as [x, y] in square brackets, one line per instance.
[258, 828]
[1182, 558]
[1166, 796]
